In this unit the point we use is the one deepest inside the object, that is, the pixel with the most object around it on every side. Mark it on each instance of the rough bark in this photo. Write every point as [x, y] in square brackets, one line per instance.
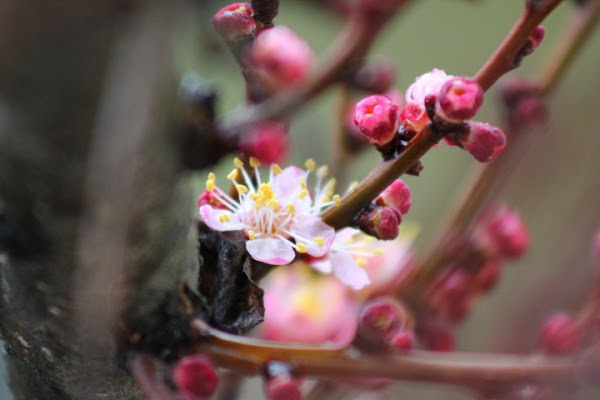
[94, 218]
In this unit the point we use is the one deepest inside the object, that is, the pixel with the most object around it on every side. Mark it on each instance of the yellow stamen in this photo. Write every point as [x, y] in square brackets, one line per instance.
[251, 234]
[303, 182]
[210, 185]
[310, 164]
[378, 252]
[224, 218]
[303, 194]
[254, 162]
[274, 204]
[353, 185]
[319, 241]
[361, 262]
[326, 199]
[233, 174]
[241, 189]
[238, 163]
[336, 200]
[276, 169]
[291, 210]
[323, 171]
[301, 248]
[212, 176]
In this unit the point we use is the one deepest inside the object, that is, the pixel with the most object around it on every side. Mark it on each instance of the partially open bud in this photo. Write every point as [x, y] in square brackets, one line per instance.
[380, 222]
[396, 196]
[484, 141]
[234, 21]
[507, 233]
[385, 322]
[560, 334]
[280, 58]
[414, 116]
[267, 141]
[195, 376]
[377, 119]
[459, 99]
[280, 384]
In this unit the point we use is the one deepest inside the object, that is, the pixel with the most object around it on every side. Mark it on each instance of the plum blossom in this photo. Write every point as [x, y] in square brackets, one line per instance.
[347, 258]
[277, 216]
[302, 306]
[414, 114]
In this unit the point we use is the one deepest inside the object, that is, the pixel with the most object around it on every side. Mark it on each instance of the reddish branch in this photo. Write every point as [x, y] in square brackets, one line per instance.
[249, 356]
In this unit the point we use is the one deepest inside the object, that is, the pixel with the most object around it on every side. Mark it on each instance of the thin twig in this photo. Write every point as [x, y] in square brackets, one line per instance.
[581, 24]
[385, 172]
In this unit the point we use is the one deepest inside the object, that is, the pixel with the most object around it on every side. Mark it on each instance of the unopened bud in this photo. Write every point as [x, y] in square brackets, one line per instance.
[280, 58]
[377, 77]
[266, 141]
[380, 222]
[195, 376]
[377, 118]
[459, 99]
[508, 233]
[280, 384]
[414, 116]
[385, 322]
[560, 334]
[234, 21]
[396, 196]
[435, 336]
[484, 141]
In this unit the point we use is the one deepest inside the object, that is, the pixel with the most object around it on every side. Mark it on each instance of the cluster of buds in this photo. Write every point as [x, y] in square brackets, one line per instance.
[445, 101]
[383, 217]
[476, 260]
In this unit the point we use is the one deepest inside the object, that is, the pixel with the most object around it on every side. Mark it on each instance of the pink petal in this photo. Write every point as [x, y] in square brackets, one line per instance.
[211, 216]
[344, 235]
[348, 271]
[271, 251]
[310, 228]
[323, 266]
[286, 185]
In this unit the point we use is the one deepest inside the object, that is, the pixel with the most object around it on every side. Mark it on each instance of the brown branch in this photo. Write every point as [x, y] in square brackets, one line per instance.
[502, 61]
[386, 171]
[249, 356]
[581, 23]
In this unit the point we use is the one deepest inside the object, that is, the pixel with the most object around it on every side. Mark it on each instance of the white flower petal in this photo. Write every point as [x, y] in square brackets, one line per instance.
[271, 251]
[286, 185]
[348, 271]
[323, 266]
[311, 228]
[219, 219]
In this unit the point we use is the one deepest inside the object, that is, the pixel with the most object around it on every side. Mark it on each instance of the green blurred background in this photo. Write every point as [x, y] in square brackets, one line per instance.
[556, 187]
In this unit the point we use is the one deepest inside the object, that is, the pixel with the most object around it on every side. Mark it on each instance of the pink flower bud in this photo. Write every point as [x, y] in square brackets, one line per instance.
[396, 196]
[538, 35]
[507, 233]
[560, 334]
[377, 77]
[484, 141]
[380, 222]
[280, 384]
[377, 118]
[267, 141]
[403, 340]
[435, 336]
[487, 277]
[280, 58]
[209, 198]
[195, 376]
[385, 322]
[414, 116]
[234, 20]
[459, 99]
